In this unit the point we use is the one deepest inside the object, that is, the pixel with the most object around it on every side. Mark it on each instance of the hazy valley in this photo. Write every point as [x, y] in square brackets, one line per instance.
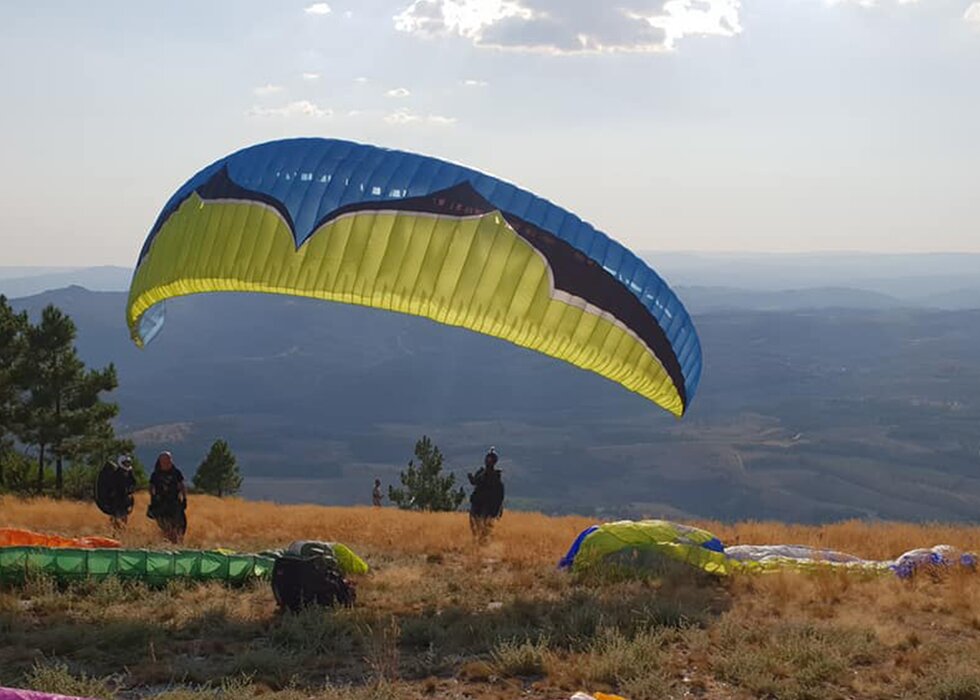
[824, 405]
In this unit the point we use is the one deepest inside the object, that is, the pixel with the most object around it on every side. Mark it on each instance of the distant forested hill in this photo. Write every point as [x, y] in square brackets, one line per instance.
[805, 415]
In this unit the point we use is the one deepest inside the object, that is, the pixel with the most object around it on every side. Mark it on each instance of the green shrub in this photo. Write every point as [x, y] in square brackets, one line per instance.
[54, 677]
[526, 658]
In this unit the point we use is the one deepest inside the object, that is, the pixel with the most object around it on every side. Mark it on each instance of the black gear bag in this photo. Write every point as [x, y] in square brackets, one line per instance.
[298, 581]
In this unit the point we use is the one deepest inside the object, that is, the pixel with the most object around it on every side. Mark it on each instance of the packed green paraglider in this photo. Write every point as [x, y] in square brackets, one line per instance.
[18, 564]
[24, 554]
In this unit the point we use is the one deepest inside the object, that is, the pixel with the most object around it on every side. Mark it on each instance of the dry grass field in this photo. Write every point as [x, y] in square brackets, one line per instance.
[441, 617]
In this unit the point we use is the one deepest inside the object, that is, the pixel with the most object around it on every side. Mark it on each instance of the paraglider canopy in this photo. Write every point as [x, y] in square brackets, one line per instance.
[358, 224]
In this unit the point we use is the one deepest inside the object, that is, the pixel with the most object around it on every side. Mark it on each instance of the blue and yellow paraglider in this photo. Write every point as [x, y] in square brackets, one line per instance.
[358, 224]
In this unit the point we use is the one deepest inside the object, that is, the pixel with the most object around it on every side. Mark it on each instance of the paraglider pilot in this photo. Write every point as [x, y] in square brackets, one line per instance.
[168, 498]
[487, 499]
[114, 490]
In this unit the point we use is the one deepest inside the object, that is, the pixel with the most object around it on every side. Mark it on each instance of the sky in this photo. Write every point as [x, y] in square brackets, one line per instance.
[699, 125]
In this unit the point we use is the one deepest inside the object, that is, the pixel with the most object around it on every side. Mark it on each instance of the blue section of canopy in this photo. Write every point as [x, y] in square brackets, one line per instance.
[714, 544]
[312, 177]
[569, 558]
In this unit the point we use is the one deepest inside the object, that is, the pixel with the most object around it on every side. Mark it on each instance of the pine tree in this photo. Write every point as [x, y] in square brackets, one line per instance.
[61, 412]
[425, 487]
[12, 328]
[99, 444]
[218, 473]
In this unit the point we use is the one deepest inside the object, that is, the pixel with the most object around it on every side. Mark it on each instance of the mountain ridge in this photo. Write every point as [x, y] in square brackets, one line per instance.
[748, 280]
[802, 415]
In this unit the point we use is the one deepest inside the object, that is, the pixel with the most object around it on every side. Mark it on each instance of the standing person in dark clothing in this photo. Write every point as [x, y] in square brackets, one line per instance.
[168, 498]
[376, 494]
[487, 499]
[114, 491]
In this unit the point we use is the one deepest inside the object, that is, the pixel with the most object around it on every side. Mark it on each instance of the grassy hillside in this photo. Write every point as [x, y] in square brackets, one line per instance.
[440, 617]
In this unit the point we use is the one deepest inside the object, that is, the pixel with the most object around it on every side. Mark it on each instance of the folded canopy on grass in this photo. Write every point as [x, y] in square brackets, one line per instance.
[647, 544]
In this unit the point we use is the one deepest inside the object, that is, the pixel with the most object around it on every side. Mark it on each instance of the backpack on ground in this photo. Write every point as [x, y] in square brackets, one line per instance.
[301, 579]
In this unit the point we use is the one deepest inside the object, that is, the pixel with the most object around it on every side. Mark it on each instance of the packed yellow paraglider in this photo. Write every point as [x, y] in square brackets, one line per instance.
[646, 544]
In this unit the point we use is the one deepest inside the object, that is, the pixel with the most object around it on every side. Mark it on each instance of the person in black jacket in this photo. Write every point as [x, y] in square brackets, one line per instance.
[168, 498]
[487, 499]
[114, 491]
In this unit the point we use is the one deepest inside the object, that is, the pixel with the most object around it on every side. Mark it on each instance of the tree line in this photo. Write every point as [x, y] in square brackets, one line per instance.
[55, 427]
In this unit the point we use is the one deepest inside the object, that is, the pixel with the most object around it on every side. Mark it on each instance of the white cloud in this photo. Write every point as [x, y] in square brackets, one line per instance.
[867, 3]
[311, 76]
[300, 108]
[561, 27]
[360, 79]
[398, 92]
[469, 82]
[402, 116]
[972, 14]
[349, 14]
[406, 116]
[318, 8]
[467, 18]
[267, 89]
[440, 120]
[682, 18]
